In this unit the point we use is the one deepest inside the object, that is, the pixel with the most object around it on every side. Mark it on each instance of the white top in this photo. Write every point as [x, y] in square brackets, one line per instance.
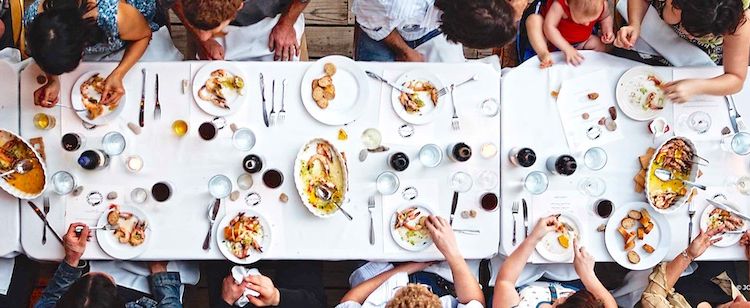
[537, 293]
[413, 19]
[447, 301]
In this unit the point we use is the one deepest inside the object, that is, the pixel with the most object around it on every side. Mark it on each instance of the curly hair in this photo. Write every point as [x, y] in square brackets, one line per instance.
[478, 23]
[581, 299]
[209, 14]
[414, 296]
[704, 17]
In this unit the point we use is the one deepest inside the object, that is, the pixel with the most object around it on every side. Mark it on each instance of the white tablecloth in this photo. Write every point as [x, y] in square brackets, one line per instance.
[530, 113]
[179, 225]
[9, 213]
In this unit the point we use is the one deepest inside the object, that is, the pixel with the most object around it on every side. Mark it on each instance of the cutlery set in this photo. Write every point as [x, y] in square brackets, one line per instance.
[514, 212]
[142, 106]
[273, 118]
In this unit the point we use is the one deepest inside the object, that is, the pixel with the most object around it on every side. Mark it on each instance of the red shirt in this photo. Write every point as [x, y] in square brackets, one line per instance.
[572, 32]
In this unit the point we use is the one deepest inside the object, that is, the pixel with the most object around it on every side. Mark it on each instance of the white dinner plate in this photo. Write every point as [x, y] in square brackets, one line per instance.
[727, 239]
[255, 255]
[628, 89]
[549, 247]
[352, 91]
[659, 238]
[234, 99]
[112, 246]
[427, 113]
[77, 102]
[400, 235]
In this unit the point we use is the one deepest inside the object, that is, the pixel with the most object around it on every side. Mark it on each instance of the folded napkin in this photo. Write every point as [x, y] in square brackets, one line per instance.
[239, 273]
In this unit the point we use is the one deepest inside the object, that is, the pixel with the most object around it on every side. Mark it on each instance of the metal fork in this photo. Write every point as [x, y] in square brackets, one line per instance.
[371, 208]
[46, 211]
[272, 115]
[157, 108]
[454, 122]
[444, 90]
[515, 212]
[282, 112]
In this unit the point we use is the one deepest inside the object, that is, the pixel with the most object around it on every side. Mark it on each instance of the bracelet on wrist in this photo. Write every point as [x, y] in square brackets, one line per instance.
[685, 254]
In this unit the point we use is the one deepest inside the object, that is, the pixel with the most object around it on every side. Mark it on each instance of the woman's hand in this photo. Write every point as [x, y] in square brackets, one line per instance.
[113, 89]
[442, 235]
[627, 36]
[583, 262]
[681, 91]
[543, 226]
[75, 243]
[49, 94]
[269, 294]
[745, 241]
[573, 57]
[704, 240]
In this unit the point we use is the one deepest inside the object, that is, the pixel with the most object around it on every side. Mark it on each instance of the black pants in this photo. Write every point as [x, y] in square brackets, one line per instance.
[697, 288]
[25, 275]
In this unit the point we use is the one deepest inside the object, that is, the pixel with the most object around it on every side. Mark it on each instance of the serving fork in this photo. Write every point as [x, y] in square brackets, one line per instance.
[45, 208]
[515, 212]
[454, 121]
[371, 208]
[282, 113]
[272, 115]
[157, 108]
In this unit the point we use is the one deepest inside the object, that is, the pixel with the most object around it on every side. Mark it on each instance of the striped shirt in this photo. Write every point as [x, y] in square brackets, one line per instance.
[412, 19]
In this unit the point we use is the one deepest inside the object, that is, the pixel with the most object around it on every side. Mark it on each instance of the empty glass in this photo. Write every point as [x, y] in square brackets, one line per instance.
[113, 143]
[63, 182]
[487, 180]
[536, 182]
[738, 143]
[699, 121]
[134, 163]
[595, 158]
[430, 155]
[139, 195]
[461, 182]
[592, 186]
[243, 139]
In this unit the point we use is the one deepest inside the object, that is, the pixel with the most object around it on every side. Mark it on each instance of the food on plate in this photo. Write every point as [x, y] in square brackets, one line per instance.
[721, 218]
[220, 81]
[633, 257]
[127, 228]
[645, 91]
[323, 90]
[676, 157]
[593, 96]
[13, 150]
[244, 234]
[323, 173]
[634, 227]
[91, 96]
[648, 248]
[640, 178]
[627, 223]
[564, 240]
[634, 214]
[413, 103]
[410, 223]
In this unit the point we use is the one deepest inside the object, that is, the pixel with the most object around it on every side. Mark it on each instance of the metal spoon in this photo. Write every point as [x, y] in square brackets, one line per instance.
[666, 175]
[72, 108]
[21, 167]
[325, 194]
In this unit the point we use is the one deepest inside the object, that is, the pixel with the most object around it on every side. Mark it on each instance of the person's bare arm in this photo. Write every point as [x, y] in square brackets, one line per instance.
[553, 35]
[360, 293]
[584, 266]
[467, 286]
[403, 52]
[627, 35]
[283, 38]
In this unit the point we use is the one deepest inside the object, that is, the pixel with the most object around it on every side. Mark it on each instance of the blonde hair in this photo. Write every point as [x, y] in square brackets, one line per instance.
[414, 296]
[586, 8]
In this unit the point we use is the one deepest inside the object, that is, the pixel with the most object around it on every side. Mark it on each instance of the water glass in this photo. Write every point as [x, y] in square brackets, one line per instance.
[387, 183]
[592, 186]
[536, 182]
[487, 180]
[113, 143]
[63, 183]
[430, 155]
[699, 121]
[243, 139]
[134, 163]
[738, 143]
[139, 195]
[490, 107]
[371, 138]
[461, 182]
[219, 186]
[595, 158]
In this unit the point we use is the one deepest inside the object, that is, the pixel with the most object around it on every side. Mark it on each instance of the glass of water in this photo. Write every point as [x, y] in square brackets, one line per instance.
[738, 143]
[699, 121]
[387, 183]
[592, 186]
[113, 143]
[243, 139]
[595, 158]
[219, 186]
[63, 183]
[430, 155]
[461, 182]
[487, 180]
[536, 182]
[139, 195]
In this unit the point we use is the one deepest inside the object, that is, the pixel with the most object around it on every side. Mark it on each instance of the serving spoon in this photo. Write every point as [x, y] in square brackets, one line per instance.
[325, 194]
[21, 167]
[666, 175]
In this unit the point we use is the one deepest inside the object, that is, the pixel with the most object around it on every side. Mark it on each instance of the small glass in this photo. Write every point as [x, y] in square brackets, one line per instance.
[179, 128]
[63, 183]
[134, 163]
[219, 186]
[209, 130]
[592, 186]
[536, 182]
[387, 183]
[490, 107]
[430, 155]
[161, 191]
[72, 142]
[139, 195]
[489, 202]
[273, 178]
[603, 208]
[487, 180]
[245, 181]
[243, 139]
[371, 138]
[113, 143]
[44, 121]
[461, 182]
[488, 150]
[595, 158]
[743, 185]
[738, 143]
[699, 121]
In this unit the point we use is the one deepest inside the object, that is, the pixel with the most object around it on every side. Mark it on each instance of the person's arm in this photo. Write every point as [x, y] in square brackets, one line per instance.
[607, 24]
[291, 298]
[165, 286]
[505, 294]
[48, 95]
[283, 39]
[584, 266]
[69, 270]
[627, 35]
[360, 293]
[467, 286]
[551, 21]
[396, 43]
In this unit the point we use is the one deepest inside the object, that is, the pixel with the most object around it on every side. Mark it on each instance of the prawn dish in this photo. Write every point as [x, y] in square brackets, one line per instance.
[675, 156]
[12, 150]
[718, 218]
[243, 235]
[410, 226]
[216, 89]
[126, 227]
[321, 176]
[91, 96]
[413, 103]
[645, 91]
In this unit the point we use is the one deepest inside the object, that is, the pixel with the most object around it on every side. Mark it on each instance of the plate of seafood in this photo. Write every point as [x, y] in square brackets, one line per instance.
[424, 105]
[13, 149]
[557, 246]
[734, 226]
[219, 88]
[639, 93]
[243, 237]
[637, 237]
[335, 90]
[321, 176]
[671, 165]
[408, 227]
[126, 232]
[87, 94]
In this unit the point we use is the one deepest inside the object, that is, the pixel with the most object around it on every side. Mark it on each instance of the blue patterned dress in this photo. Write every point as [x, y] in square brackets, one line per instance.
[107, 21]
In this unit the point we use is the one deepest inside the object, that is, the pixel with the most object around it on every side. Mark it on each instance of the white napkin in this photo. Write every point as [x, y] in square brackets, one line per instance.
[440, 50]
[6, 274]
[239, 273]
[134, 275]
[250, 43]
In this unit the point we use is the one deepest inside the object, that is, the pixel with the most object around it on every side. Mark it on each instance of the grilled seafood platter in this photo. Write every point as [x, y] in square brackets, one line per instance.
[425, 93]
[321, 176]
[408, 227]
[218, 87]
[675, 155]
[126, 227]
[12, 150]
[732, 225]
[91, 96]
[718, 218]
[243, 235]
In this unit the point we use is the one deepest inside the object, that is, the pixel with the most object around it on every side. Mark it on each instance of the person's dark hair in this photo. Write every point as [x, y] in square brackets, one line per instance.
[58, 35]
[717, 17]
[91, 291]
[581, 299]
[478, 23]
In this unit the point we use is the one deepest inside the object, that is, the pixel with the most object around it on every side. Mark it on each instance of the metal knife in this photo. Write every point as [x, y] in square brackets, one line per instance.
[46, 210]
[44, 219]
[728, 209]
[388, 82]
[263, 96]
[732, 112]
[214, 212]
[454, 205]
[143, 99]
[738, 121]
[525, 217]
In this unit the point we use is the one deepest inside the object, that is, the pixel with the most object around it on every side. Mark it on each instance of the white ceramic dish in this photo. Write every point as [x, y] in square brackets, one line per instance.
[307, 151]
[429, 112]
[76, 100]
[15, 192]
[727, 239]
[628, 89]
[112, 246]
[693, 176]
[659, 238]
[400, 235]
[352, 91]
[255, 255]
[549, 247]
[234, 99]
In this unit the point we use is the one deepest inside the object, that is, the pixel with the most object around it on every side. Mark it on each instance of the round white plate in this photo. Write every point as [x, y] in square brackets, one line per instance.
[305, 152]
[727, 239]
[399, 235]
[352, 91]
[234, 99]
[77, 103]
[550, 249]
[627, 85]
[255, 255]
[112, 246]
[659, 238]
[428, 113]
[15, 192]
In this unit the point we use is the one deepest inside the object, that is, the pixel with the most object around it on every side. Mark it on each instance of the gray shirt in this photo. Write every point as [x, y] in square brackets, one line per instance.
[256, 10]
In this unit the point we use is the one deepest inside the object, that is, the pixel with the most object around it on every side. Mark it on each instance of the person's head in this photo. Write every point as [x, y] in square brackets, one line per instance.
[57, 36]
[93, 290]
[210, 17]
[585, 11]
[479, 23]
[703, 17]
[580, 299]
[414, 296]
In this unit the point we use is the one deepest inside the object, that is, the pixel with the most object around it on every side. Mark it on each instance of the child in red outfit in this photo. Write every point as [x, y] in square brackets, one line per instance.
[567, 25]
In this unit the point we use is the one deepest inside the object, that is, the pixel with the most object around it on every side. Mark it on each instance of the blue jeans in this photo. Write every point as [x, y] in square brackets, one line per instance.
[368, 49]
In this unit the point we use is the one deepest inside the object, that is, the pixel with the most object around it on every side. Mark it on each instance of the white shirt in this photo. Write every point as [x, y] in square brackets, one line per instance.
[412, 19]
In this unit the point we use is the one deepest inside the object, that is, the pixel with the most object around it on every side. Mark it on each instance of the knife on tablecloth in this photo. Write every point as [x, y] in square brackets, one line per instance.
[214, 213]
[454, 205]
[263, 97]
[734, 116]
[398, 87]
[44, 219]
[143, 100]
[525, 217]
[728, 209]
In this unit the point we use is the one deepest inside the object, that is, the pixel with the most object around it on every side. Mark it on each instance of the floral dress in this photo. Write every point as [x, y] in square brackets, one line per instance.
[107, 22]
[710, 44]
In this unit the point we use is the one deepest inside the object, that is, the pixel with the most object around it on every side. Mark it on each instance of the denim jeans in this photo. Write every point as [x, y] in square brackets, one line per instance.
[368, 49]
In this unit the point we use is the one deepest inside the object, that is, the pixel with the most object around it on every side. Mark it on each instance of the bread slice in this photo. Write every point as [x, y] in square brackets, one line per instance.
[633, 257]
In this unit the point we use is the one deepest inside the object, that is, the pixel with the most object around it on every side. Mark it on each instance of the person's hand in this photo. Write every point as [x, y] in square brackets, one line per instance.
[230, 291]
[544, 226]
[410, 55]
[157, 266]
[545, 60]
[704, 240]
[75, 243]
[210, 49]
[113, 89]
[573, 57]
[518, 7]
[583, 262]
[607, 38]
[413, 267]
[736, 303]
[442, 235]
[49, 94]
[269, 294]
[627, 36]
[745, 241]
[283, 42]
[680, 91]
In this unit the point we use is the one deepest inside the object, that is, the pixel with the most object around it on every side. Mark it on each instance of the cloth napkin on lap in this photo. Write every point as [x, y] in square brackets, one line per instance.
[239, 273]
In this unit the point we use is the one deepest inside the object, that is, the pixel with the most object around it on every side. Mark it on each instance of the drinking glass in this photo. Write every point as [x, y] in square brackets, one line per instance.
[738, 143]
[243, 139]
[699, 121]
[487, 180]
[742, 184]
[134, 163]
[536, 182]
[430, 155]
[139, 195]
[44, 121]
[592, 186]
[488, 150]
[595, 158]
[113, 143]
[161, 191]
[461, 182]
[219, 186]
[387, 183]
[245, 181]
[63, 183]
[371, 138]
[490, 107]
[179, 128]
[209, 130]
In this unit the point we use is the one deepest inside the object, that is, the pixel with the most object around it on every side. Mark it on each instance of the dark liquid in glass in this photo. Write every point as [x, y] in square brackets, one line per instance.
[161, 192]
[566, 165]
[273, 178]
[399, 161]
[207, 131]
[489, 201]
[252, 163]
[461, 152]
[71, 142]
[526, 157]
[604, 208]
